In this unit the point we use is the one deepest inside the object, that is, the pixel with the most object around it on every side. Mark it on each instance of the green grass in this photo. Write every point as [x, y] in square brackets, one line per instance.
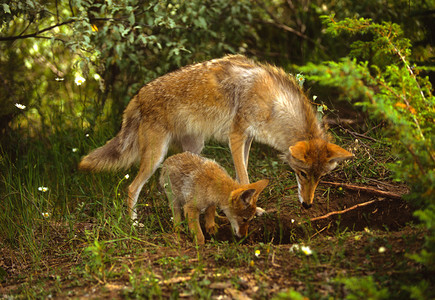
[76, 239]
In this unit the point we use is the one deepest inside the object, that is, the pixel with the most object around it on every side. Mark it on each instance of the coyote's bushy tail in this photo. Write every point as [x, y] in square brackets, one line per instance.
[121, 151]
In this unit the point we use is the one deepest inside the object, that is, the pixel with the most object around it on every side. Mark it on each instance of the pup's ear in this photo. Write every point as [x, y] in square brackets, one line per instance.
[259, 186]
[247, 196]
[336, 153]
[299, 150]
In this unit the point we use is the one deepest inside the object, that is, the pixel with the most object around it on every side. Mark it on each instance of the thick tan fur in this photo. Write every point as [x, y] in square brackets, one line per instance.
[121, 151]
[196, 185]
[230, 99]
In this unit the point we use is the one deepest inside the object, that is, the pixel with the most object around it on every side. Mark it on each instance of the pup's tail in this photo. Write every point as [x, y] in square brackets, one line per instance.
[121, 151]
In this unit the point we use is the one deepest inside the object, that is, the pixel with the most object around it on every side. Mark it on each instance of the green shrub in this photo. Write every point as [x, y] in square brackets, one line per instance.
[378, 76]
[363, 288]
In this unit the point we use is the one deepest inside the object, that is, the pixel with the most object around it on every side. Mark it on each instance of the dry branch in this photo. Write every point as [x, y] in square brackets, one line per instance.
[345, 210]
[364, 189]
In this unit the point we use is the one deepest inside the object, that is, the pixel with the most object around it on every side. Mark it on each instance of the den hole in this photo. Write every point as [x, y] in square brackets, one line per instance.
[292, 225]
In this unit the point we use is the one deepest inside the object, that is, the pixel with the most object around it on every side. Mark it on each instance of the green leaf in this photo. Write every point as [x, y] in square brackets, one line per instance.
[30, 3]
[201, 22]
[131, 19]
[6, 8]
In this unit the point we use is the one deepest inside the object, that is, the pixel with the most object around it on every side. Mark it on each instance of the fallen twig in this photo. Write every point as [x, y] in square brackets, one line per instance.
[360, 135]
[291, 187]
[344, 210]
[364, 189]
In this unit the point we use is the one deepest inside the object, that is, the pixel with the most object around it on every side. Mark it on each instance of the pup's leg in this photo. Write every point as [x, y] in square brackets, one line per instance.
[192, 216]
[210, 225]
[177, 214]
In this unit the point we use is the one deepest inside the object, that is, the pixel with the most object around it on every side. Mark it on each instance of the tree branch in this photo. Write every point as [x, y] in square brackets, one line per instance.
[35, 34]
[278, 24]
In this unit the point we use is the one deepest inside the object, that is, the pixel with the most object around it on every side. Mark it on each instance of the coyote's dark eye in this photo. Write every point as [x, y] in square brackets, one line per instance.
[245, 219]
[303, 174]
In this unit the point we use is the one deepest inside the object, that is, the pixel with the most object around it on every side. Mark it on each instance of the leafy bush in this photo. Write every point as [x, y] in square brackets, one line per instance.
[363, 287]
[378, 76]
[115, 46]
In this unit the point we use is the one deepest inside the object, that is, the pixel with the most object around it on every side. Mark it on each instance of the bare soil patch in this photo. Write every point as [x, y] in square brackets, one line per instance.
[342, 209]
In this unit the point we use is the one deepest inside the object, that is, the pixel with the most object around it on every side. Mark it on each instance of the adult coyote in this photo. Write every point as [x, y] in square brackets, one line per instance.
[230, 99]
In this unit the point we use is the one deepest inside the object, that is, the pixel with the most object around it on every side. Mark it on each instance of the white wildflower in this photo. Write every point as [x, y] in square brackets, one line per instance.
[382, 249]
[20, 106]
[306, 250]
[300, 248]
[74, 149]
[126, 176]
[43, 189]
[300, 79]
[45, 215]
[79, 80]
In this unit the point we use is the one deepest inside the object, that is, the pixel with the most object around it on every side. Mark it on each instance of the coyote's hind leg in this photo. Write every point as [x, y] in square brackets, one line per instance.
[154, 146]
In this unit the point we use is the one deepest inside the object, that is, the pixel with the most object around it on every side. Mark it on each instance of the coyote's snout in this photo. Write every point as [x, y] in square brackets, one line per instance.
[311, 160]
[230, 99]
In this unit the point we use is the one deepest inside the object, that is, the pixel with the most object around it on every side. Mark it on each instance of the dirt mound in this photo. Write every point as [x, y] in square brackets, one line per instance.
[353, 210]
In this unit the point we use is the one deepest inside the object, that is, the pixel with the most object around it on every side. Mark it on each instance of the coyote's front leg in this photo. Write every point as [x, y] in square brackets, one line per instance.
[237, 146]
[240, 144]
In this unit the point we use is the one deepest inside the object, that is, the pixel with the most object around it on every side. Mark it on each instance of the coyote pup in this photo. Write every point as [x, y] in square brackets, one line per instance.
[197, 185]
[230, 99]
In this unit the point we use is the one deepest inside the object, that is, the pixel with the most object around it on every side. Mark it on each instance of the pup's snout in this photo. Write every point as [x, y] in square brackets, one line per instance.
[306, 206]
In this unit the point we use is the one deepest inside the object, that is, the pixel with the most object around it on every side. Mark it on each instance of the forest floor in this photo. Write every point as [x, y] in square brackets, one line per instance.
[356, 241]
[352, 233]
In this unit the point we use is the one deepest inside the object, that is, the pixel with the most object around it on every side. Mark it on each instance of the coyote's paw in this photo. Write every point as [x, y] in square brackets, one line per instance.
[211, 228]
[199, 239]
[259, 211]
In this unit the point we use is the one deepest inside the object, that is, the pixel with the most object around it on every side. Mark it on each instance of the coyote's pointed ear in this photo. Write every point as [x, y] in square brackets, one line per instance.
[299, 150]
[259, 185]
[250, 192]
[336, 153]
[247, 196]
